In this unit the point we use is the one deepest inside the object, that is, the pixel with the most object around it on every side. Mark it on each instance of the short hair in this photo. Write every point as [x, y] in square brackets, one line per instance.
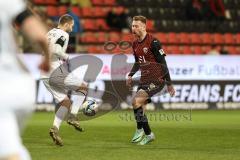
[140, 18]
[66, 18]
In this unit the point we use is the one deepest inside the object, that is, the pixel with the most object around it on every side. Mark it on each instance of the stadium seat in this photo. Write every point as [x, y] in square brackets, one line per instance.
[97, 2]
[197, 49]
[217, 38]
[162, 37]
[232, 50]
[95, 49]
[52, 11]
[183, 38]
[62, 10]
[88, 37]
[101, 37]
[238, 38]
[228, 38]
[172, 38]
[100, 12]
[206, 49]
[150, 25]
[185, 50]
[114, 37]
[110, 2]
[76, 10]
[173, 49]
[87, 12]
[127, 37]
[206, 38]
[195, 38]
[89, 24]
[102, 25]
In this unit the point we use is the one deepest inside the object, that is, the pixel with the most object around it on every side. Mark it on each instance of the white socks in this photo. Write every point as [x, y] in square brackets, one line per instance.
[60, 116]
[77, 102]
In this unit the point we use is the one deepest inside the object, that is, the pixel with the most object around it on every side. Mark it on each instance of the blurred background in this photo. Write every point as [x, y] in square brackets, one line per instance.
[200, 37]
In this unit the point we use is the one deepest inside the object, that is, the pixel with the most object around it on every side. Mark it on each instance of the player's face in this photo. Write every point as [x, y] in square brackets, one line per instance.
[69, 26]
[138, 28]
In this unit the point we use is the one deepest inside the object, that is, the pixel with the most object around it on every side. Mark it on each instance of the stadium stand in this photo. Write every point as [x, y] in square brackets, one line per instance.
[166, 20]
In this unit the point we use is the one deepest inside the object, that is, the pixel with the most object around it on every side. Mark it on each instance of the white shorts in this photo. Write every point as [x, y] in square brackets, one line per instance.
[71, 82]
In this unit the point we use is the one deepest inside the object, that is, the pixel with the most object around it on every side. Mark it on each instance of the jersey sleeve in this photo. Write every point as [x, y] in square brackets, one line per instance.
[159, 55]
[57, 43]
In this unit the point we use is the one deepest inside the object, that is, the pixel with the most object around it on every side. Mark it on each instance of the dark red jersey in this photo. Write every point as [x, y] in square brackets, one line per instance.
[148, 55]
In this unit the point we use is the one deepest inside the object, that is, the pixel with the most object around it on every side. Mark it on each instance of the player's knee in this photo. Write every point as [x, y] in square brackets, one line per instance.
[83, 88]
[136, 103]
[66, 102]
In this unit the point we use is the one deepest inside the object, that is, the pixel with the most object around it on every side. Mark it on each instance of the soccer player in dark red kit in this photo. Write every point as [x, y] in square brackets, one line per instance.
[150, 60]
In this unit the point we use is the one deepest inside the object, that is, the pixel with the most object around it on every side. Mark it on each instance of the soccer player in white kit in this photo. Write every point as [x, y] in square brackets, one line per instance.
[58, 41]
[18, 87]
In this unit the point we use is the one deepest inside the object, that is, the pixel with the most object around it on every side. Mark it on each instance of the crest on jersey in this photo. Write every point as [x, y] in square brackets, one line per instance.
[63, 38]
[145, 50]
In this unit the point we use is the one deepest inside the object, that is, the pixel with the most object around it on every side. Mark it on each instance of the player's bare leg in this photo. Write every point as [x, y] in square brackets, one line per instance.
[60, 116]
[78, 100]
[139, 102]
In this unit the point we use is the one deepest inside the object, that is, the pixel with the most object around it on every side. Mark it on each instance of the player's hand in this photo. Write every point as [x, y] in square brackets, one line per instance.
[129, 81]
[45, 65]
[171, 90]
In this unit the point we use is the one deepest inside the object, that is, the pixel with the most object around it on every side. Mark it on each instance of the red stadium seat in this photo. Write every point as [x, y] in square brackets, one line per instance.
[197, 49]
[89, 24]
[110, 2]
[127, 37]
[238, 38]
[183, 38]
[173, 49]
[114, 37]
[172, 38]
[102, 25]
[97, 2]
[119, 9]
[206, 49]
[232, 50]
[206, 38]
[88, 37]
[95, 49]
[162, 37]
[62, 10]
[229, 38]
[150, 25]
[102, 37]
[185, 50]
[52, 11]
[217, 38]
[100, 12]
[87, 12]
[76, 10]
[195, 38]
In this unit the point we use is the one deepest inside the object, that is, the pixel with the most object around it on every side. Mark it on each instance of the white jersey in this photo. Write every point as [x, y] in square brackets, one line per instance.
[8, 12]
[58, 42]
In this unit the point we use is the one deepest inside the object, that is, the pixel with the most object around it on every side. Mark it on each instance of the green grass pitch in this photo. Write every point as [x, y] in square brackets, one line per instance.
[206, 135]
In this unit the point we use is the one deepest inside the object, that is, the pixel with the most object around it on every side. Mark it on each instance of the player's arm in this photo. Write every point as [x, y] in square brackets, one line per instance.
[58, 48]
[135, 67]
[160, 58]
[36, 31]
